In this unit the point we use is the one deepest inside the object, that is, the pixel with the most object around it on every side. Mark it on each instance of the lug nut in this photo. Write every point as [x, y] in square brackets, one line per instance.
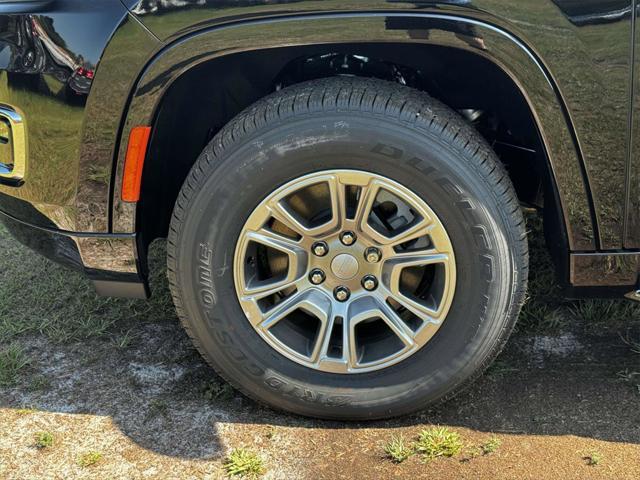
[320, 249]
[348, 238]
[316, 276]
[372, 255]
[342, 294]
[369, 282]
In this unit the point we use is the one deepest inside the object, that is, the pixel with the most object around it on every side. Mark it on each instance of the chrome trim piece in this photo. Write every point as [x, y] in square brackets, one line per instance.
[634, 295]
[15, 173]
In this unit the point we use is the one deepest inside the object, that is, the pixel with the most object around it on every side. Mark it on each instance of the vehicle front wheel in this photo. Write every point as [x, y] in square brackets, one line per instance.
[348, 249]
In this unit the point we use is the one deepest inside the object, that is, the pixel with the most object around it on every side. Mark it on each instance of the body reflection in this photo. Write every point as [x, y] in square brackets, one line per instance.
[35, 49]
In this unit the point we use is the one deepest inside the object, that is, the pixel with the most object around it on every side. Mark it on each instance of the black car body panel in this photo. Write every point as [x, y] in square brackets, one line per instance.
[48, 59]
[537, 85]
[99, 69]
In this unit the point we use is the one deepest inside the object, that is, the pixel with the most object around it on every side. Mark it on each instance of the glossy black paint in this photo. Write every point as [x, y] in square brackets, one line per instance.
[85, 73]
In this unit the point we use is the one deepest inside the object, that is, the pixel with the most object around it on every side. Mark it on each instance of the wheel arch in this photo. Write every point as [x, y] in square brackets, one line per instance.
[571, 218]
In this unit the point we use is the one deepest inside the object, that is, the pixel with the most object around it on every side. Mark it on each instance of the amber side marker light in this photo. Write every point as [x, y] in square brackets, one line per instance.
[134, 161]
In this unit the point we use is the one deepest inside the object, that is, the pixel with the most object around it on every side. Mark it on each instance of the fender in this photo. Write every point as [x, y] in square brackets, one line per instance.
[503, 48]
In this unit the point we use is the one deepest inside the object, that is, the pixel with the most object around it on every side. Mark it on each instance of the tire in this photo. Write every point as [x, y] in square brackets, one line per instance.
[393, 132]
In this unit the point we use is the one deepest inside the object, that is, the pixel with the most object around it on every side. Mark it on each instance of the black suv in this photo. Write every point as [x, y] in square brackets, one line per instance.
[341, 184]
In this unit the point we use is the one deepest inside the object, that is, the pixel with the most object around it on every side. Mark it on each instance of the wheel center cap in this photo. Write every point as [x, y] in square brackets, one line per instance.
[344, 266]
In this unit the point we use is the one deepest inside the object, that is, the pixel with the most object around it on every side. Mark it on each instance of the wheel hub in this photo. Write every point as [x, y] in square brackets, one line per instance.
[344, 271]
[344, 266]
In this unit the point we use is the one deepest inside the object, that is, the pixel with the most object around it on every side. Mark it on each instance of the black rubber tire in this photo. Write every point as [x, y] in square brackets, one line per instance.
[369, 125]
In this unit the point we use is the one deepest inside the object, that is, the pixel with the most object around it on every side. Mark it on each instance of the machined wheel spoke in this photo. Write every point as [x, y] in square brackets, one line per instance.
[320, 353]
[314, 303]
[366, 200]
[412, 233]
[266, 288]
[397, 325]
[338, 194]
[393, 269]
[297, 261]
[369, 308]
[423, 312]
[277, 313]
[275, 240]
[416, 259]
[439, 238]
[284, 214]
[415, 231]
[321, 346]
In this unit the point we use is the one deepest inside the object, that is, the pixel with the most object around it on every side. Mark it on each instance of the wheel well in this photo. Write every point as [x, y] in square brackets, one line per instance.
[206, 97]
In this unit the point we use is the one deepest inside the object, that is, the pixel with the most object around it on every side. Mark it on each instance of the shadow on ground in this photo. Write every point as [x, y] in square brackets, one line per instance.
[140, 371]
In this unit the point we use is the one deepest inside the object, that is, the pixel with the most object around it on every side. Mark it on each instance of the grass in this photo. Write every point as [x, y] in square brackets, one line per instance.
[434, 443]
[546, 311]
[26, 410]
[100, 173]
[593, 458]
[627, 376]
[631, 377]
[632, 343]
[157, 408]
[39, 383]
[500, 368]
[243, 463]
[43, 440]
[438, 442]
[598, 313]
[42, 298]
[548, 319]
[217, 391]
[12, 361]
[397, 449]
[541, 310]
[125, 340]
[487, 448]
[491, 445]
[88, 459]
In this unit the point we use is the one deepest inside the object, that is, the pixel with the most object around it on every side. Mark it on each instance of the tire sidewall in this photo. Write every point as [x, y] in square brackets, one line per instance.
[245, 173]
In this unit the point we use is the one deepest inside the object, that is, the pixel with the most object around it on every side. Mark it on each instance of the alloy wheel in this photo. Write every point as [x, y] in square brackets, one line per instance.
[344, 271]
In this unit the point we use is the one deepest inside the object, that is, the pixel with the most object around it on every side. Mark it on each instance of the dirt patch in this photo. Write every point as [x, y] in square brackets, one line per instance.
[550, 400]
